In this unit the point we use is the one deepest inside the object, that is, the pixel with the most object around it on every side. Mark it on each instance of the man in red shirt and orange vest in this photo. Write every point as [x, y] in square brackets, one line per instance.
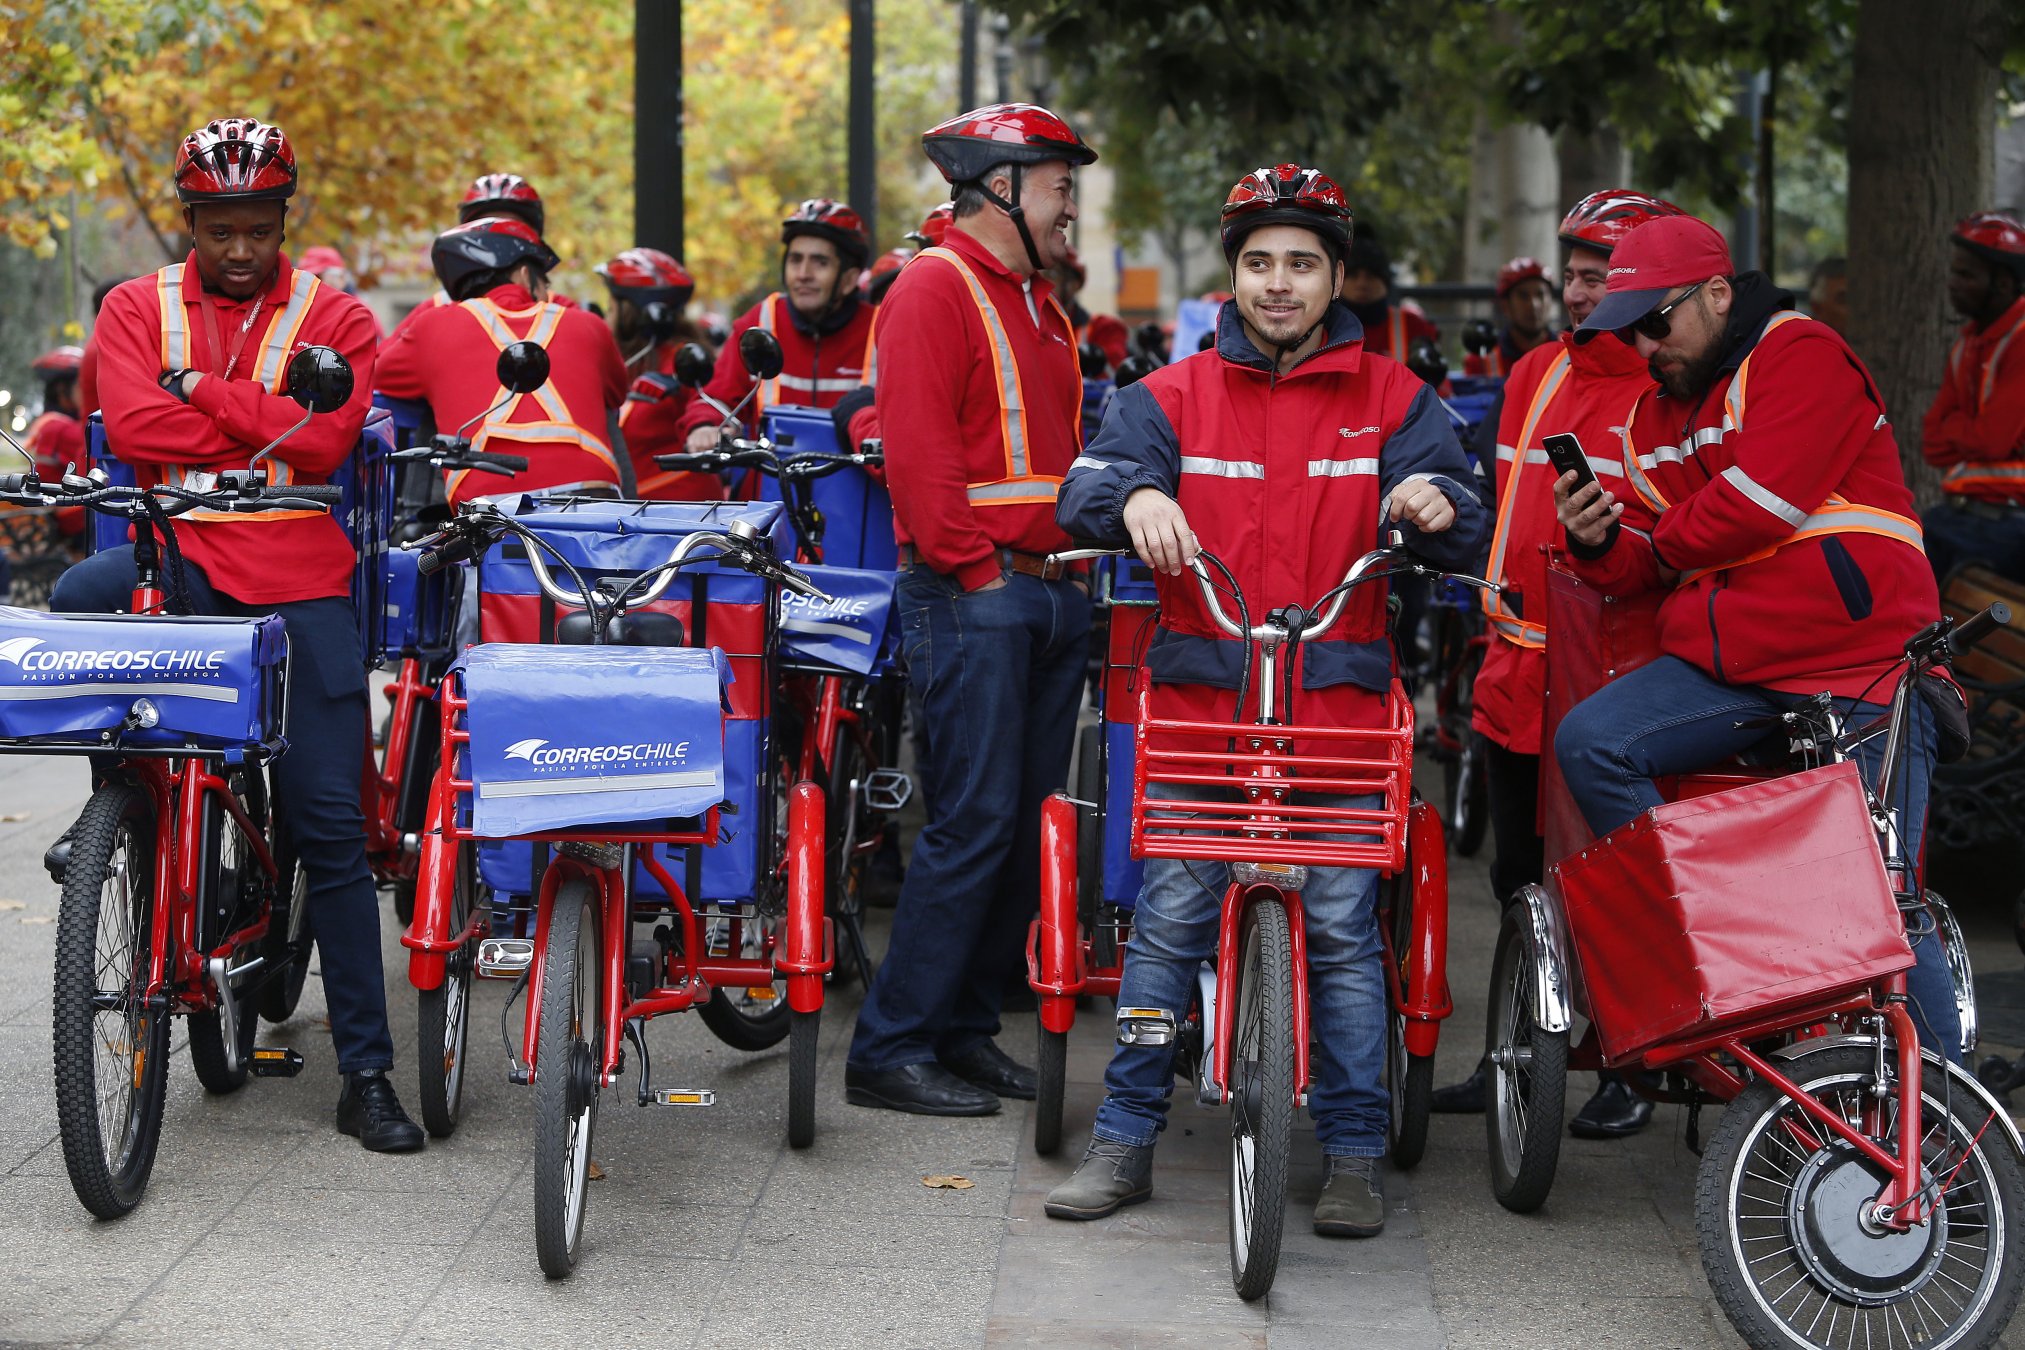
[496, 271]
[980, 400]
[1975, 431]
[651, 420]
[824, 328]
[192, 369]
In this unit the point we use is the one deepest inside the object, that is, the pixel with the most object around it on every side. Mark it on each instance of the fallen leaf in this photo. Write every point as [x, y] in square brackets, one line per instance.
[38, 918]
[13, 816]
[596, 1173]
[948, 1183]
[12, 904]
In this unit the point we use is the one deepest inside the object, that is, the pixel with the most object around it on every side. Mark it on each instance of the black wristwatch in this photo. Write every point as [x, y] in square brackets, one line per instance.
[172, 380]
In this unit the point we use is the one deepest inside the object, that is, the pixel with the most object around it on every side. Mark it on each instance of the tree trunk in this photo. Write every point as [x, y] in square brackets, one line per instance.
[1590, 163]
[1922, 114]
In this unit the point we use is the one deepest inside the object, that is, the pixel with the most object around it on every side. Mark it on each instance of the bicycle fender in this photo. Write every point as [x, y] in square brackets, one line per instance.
[1547, 940]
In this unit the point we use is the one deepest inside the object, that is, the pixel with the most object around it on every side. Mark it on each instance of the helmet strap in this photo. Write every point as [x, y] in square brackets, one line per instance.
[1017, 212]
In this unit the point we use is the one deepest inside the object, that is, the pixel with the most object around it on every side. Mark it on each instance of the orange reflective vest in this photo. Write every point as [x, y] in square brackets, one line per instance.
[555, 426]
[2004, 477]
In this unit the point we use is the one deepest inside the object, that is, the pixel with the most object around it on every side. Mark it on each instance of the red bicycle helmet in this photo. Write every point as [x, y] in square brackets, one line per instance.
[821, 218]
[1518, 270]
[58, 363]
[646, 276]
[1286, 194]
[488, 244]
[1600, 220]
[934, 225]
[503, 194]
[1996, 238]
[236, 159]
[968, 145]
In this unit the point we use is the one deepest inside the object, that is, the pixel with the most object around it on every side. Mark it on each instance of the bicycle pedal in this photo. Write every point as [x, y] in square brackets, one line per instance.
[888, 790]
[1145, 1026]
[504, 958]
[274, 1061]
[684, 1097]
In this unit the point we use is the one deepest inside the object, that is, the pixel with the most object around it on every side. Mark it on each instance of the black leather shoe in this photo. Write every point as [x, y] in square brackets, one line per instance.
[57, 860]
[1614, 1112]
[1467, 1098]
[919, 1089]
[994, 1070]
[368, 1110]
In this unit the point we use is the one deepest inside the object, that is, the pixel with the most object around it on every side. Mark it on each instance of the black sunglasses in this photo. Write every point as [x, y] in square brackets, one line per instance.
[1655, 326]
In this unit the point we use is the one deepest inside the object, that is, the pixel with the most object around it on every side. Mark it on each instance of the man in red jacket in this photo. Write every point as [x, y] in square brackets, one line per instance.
[651, 420]
[1586, 389]
[1766, 501]
[193, 363]
[1281, 451]
[496, 271]
[825, 330]
[980, 399]
[1975, 430]
[1525, 302]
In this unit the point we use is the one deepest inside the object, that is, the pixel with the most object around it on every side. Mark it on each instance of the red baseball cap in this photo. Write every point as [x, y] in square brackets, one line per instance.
[1664, 252]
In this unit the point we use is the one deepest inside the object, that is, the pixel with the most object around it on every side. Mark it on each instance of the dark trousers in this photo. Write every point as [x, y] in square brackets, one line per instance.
[1994, 536]
[998, 675]
[1515, 805]
[316, 785]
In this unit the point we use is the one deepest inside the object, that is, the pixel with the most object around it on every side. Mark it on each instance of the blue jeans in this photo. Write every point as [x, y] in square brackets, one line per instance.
[1174, 930]
[1956, 536]
[1671, 717]
[998, 675]
[316, 785]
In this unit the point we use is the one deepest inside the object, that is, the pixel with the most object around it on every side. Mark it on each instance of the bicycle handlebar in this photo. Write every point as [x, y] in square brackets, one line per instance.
[454, 452]
[231, 495]
[1978, 627]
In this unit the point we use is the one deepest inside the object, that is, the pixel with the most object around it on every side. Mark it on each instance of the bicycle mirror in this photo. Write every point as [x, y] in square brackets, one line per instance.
[523, 367]
[760, 351]
[320, 379]
[693, 365]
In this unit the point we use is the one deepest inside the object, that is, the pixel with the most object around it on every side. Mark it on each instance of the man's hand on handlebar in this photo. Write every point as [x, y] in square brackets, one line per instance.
[702, 440]
[1160, 533]
[1423, 505]
[1587, 513]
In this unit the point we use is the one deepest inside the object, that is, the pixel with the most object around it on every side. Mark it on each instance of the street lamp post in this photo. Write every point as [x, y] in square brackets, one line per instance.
[864, 152]
[657, 124]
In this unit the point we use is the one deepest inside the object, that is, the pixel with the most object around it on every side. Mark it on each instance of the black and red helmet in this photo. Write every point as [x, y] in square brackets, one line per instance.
[503, 194]
[965, 147]
[235, 159]
[1520, 270]
[1600, 220]
[934, 225]
[1286, 194]
[647, 276]
[1996, 238]
[488, 244]
[821, 218]
[58, 363]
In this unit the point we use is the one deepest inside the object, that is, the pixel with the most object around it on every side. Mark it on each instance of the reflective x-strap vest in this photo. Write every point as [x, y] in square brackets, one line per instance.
[1020, 485]
[270, 371]
[2005, 475]
[810, 387]
[556, 426]
[1525, 632]
[1837, 515]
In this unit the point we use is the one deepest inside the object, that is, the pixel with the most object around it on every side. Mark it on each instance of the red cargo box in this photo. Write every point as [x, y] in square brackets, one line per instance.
[1723, 908]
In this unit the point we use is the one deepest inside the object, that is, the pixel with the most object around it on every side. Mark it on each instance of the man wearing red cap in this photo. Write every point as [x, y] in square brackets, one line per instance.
[1765, 500]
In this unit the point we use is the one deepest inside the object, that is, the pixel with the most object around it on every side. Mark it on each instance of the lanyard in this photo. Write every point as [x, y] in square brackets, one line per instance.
[210, 309]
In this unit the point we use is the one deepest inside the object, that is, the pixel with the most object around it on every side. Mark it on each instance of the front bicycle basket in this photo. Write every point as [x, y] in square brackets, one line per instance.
[139, 684]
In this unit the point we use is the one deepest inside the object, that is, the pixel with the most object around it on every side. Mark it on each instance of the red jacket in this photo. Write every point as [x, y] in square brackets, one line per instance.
[447, 354]
[267, 559]
[651, 421]
[1787, 515]
[1976, 428]
[819, 364]
[1284, 480]
[56, 440]
[1595, 385]
[1396, 334]
[968, 480]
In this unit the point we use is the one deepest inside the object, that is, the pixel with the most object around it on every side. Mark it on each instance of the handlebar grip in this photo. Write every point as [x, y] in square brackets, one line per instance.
[1980, 626]
[324, 494]
[708, 461]
[510, 463]
[456, 549]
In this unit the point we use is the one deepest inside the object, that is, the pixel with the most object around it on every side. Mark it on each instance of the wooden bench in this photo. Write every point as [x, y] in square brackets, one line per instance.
[1979, 801]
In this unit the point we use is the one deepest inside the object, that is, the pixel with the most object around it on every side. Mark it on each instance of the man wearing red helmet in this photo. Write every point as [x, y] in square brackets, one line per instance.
[649, 290]
[56, 438]
[980, 399]
[1586, 390]
[1763, 498]
[191, 373]
[495, 270]
[933, 226]
[494, 194]
[1281, 451]
[824, 329]
[1975, 430]
[1526, 303]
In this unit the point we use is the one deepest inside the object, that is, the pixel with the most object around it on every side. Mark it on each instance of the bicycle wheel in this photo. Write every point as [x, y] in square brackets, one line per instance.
[443, 1014]
[110, 1050]
[1409, 1078]
[231, 895]
[1781, 1210]
[1529, 1077]
[1262, 1096]
[803, 1031]
[1467, 792]
[851, 824]
[755, 1018]
[569, 1051]
[287, 946]
[1051, 1073]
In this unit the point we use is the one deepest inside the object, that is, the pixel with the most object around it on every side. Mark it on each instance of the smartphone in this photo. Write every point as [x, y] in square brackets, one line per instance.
[1564, 451]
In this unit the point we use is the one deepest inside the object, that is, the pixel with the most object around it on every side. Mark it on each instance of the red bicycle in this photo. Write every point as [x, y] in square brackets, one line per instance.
[1230, 797]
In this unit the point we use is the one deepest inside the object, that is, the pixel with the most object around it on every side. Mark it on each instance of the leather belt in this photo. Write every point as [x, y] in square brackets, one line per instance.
[1026, 564]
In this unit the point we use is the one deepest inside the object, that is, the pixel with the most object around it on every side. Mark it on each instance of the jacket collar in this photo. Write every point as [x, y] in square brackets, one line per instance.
[1998, 326]
[983, 261]
[832, 323]
[1756, 300]
[1342, 348]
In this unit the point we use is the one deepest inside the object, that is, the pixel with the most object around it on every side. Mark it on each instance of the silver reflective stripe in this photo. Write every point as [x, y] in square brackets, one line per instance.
[34, 693]
[1678, 454]
[175, 336]
[1090, 462]
[1222, 468]
[1028, 487]
[574, 787]
[1990, 366]
[806, 385]
[1881, 522]
[1761, 495]
[273, 368]
[842, 630]
[1341, 468]
[1511, 628]
[1508, 453]
[1961, 471]
[1011, 409]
